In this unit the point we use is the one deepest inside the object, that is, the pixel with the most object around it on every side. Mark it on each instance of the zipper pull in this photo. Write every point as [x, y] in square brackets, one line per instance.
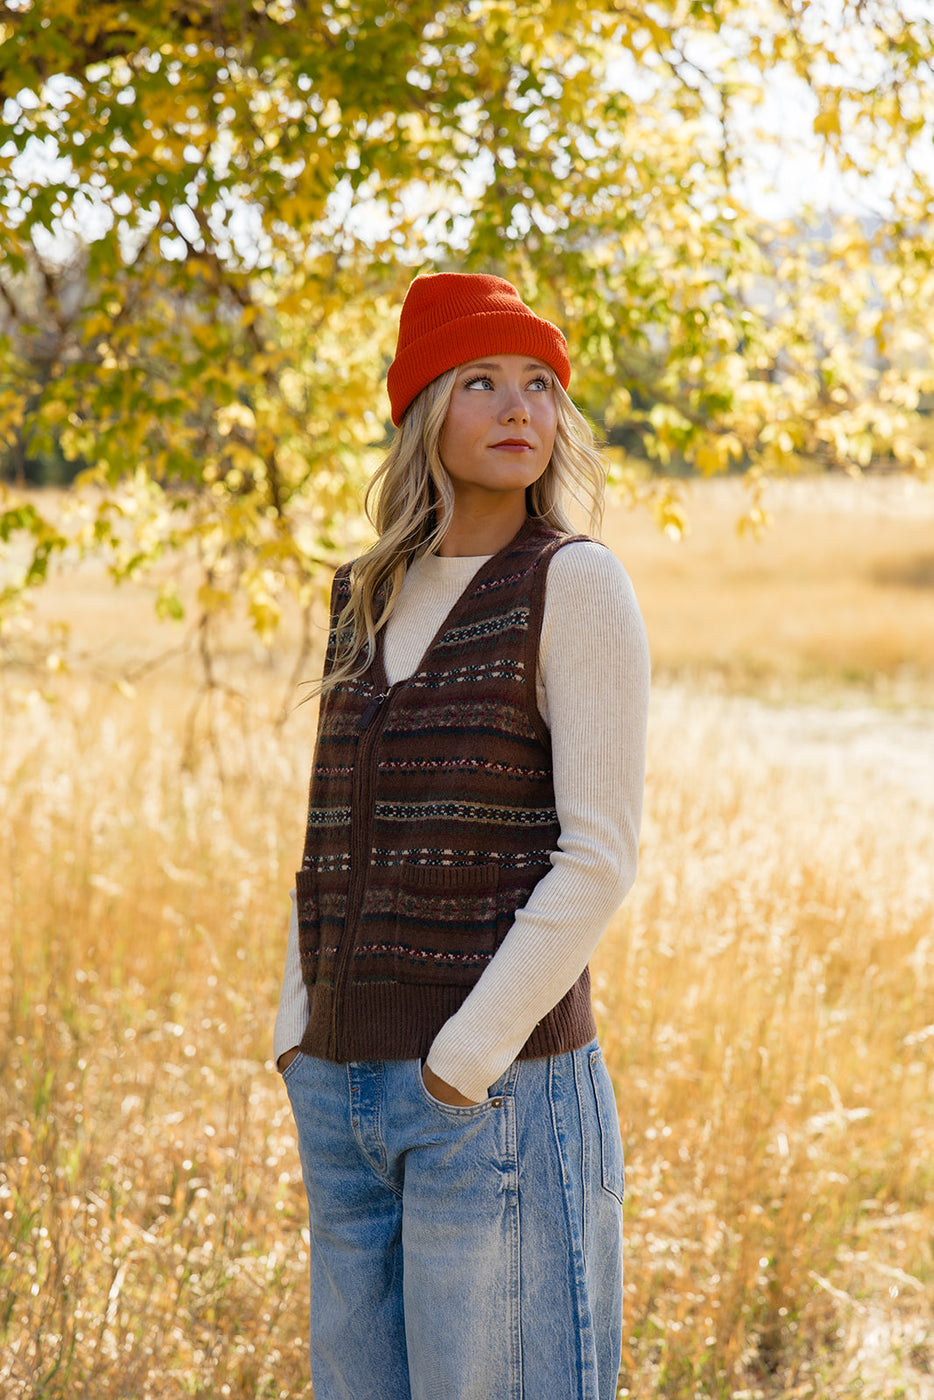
[366, 719]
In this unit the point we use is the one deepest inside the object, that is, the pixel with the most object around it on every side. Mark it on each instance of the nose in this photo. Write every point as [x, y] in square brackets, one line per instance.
[515, 408]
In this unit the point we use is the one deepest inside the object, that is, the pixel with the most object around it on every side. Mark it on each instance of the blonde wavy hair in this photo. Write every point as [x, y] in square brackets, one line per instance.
[410, 502]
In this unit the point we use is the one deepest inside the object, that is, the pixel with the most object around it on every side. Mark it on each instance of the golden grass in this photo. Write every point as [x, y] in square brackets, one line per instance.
[152, 1203]
[769, 1017]
[837, 594]
[839, 591]
[766, 1000]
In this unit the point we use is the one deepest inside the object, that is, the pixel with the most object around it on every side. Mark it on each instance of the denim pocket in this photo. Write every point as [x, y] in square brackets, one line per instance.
[292, 1066]
[611, 1147]
[454, 1109]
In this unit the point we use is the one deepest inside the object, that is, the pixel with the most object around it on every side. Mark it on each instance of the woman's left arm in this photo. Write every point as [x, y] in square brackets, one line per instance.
[594, 665]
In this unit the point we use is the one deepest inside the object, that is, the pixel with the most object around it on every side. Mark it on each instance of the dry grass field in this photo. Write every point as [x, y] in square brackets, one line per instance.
[766, 995]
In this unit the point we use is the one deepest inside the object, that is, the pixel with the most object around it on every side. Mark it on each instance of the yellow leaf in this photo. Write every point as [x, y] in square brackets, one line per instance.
[211, 600]
[827, 122]
[708, 459]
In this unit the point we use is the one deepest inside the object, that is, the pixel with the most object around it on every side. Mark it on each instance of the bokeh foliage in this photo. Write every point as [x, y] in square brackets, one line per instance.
[210, 209]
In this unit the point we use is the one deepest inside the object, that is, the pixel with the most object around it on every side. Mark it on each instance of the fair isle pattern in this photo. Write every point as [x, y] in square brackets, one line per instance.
[503, 582]
[463, 812]
[329, 816]
[451, 765]
[461, 765]
[437, 957]
[427, 855]
[470, 674]
[472, 715]
[491, 627]
[394, 932]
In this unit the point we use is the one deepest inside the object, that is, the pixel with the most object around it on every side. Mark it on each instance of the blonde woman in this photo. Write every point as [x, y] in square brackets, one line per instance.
[472, 826]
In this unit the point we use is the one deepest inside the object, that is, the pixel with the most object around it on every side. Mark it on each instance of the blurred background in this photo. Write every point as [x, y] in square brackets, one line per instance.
[209, 214]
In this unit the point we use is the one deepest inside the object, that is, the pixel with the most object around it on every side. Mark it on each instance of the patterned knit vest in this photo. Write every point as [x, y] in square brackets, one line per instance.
[431, 818]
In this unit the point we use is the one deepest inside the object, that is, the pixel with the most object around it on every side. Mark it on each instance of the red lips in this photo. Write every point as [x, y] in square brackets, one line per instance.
[512, 442]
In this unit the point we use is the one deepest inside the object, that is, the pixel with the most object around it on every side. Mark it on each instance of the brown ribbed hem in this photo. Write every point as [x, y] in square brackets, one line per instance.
[395, 1021]
[567, 1027]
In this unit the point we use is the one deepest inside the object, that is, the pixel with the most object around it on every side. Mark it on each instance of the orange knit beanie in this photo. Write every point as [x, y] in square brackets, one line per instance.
[449, 318]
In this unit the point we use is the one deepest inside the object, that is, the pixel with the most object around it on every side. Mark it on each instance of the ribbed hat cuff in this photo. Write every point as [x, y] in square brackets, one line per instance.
[499, 332]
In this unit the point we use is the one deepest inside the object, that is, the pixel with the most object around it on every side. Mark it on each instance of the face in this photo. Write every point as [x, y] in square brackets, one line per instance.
[499, 430]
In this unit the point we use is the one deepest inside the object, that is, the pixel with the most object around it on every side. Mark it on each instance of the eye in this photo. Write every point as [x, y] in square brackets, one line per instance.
[479, 379]
[541, 383]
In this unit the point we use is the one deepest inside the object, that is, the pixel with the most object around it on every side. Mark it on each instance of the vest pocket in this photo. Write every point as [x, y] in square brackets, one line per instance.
[441, 922]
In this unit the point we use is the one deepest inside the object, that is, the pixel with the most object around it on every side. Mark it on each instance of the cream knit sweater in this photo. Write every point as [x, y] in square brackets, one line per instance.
[593, 690]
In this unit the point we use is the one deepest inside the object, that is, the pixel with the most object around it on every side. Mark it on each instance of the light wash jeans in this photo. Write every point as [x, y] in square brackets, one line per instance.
[462, 1253]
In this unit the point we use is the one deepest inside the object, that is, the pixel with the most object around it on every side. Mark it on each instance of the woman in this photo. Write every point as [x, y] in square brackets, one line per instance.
[473, 825]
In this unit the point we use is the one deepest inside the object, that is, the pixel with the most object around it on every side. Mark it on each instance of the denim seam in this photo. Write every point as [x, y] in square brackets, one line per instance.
[586, 1152]
[605, 1128]
[583, 1322]
[511, 1163]
[356, 1122]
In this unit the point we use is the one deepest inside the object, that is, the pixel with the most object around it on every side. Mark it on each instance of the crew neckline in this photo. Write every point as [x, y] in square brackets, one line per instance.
[453, 563]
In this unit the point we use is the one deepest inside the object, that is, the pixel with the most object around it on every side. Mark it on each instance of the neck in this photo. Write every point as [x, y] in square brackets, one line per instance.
[478, 531]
